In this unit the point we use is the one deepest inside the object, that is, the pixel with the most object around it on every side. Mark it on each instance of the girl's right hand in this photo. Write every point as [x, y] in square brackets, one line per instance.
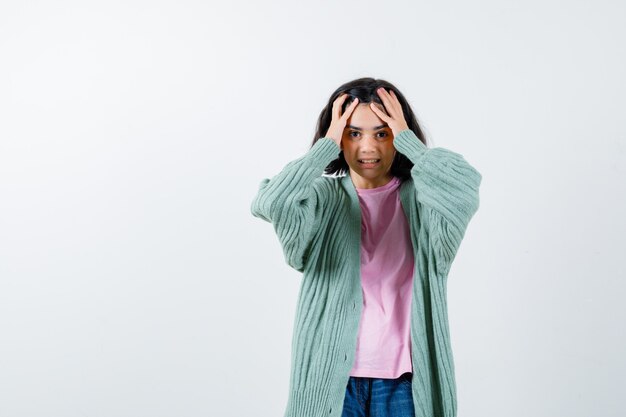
[338, 121]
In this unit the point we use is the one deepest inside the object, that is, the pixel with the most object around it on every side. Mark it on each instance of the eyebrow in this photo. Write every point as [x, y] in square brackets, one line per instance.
[375, 128]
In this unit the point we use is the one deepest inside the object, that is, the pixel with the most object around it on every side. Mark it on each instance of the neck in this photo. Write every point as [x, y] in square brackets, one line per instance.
[366, 183]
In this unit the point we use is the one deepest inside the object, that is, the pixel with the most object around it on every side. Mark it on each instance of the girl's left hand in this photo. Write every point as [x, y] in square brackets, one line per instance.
[395, 119]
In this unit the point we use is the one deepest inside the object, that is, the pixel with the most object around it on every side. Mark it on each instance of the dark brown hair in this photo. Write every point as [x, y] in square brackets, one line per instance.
[365, 90]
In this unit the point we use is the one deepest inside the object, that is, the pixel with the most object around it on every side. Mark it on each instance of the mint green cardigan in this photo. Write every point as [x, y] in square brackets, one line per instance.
[317, 220]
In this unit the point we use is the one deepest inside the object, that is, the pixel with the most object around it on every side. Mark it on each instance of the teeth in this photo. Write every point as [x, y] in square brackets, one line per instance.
[369, 160]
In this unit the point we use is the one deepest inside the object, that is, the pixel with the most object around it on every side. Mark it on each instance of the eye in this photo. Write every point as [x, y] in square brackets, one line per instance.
[382, 134]
[352, 133]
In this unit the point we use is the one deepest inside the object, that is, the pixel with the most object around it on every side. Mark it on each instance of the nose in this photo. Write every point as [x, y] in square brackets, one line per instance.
[368, 143]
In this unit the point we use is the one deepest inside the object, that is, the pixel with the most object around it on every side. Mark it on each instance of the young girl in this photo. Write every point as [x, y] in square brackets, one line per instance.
[375, 246]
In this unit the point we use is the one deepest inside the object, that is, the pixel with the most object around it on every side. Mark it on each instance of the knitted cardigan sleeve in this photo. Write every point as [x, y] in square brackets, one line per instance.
[293, 201]
[447, 186]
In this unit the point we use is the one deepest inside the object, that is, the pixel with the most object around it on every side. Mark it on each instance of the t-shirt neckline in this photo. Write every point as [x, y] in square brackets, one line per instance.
[385, 187]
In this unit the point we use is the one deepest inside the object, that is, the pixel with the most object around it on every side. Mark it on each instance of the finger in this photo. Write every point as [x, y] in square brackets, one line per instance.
[384, 97]
[381, 107]
[336, 112]
[350, 109]
[395, 99]
[379, 113]
[382, 92]
[391, 103]
[339, 100]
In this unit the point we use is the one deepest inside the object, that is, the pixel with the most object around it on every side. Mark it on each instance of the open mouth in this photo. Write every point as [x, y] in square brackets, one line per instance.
[368, 163]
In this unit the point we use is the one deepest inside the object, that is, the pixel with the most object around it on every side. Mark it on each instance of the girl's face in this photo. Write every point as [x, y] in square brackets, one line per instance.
[367, 137]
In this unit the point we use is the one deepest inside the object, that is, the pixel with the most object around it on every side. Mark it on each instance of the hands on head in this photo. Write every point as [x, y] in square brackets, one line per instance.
[394, 116]
[394, 119]
[338, 121]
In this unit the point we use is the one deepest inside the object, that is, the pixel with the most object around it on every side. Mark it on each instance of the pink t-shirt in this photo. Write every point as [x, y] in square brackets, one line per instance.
[384, 339]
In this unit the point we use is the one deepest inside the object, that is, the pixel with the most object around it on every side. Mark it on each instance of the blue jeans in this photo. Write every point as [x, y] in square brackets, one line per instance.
[379, 397]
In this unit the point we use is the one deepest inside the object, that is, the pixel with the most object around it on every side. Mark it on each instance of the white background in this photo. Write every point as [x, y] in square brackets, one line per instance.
[134, 280]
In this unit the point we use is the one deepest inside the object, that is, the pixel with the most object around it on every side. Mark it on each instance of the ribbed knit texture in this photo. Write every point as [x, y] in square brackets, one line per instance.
[317, 220]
